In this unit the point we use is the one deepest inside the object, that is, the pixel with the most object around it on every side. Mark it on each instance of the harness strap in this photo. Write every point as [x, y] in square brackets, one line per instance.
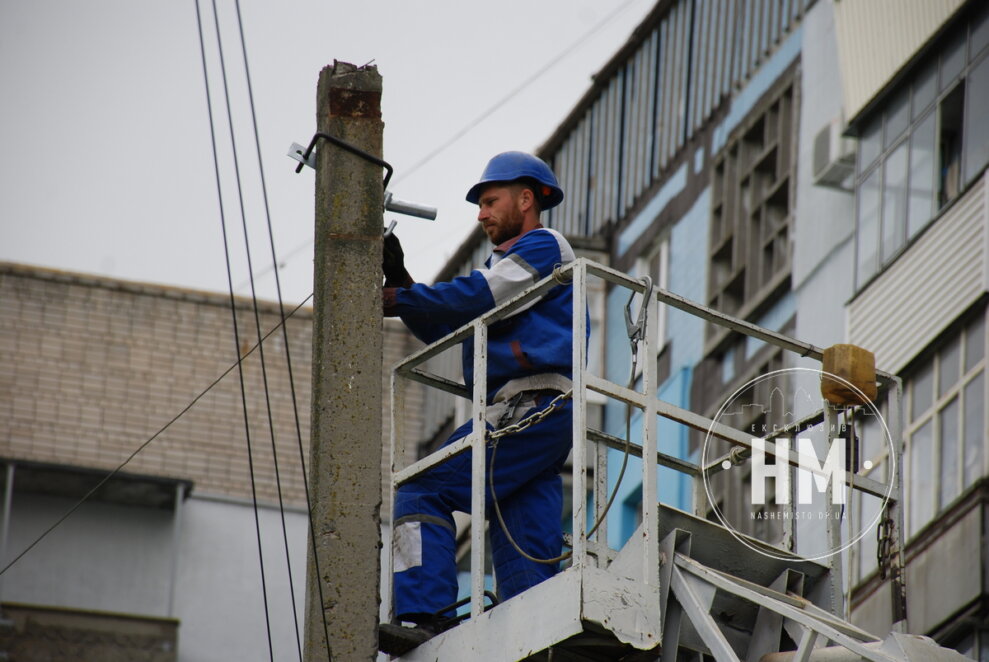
[427, 519]
[546, 381]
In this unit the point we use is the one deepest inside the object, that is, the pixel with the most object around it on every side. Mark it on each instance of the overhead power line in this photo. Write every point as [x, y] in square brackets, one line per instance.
[288, 358]
[467, 128]
[233, 307]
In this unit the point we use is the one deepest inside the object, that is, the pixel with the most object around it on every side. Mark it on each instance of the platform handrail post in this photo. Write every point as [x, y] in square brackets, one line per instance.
[478, 478]
[650, 443]
[579, 415]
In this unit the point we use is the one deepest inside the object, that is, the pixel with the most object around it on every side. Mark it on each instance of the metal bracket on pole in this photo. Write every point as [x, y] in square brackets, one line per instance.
[306, 156]
[409, 208]
[297, 152]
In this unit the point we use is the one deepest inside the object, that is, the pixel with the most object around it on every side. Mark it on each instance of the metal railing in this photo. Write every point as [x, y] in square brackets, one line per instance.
[595, 550]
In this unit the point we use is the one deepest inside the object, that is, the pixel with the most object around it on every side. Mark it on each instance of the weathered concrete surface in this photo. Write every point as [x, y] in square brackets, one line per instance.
[67, 635]
[346, 454]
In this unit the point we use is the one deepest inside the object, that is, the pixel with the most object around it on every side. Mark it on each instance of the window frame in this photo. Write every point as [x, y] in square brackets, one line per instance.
[941, 400]
[906, 92]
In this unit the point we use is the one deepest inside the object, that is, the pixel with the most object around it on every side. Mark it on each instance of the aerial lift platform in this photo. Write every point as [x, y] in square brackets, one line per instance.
[682, 588]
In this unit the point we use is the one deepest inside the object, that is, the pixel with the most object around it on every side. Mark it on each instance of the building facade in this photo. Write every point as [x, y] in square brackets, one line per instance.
[919, 293]
[162, 561]
[817, 168]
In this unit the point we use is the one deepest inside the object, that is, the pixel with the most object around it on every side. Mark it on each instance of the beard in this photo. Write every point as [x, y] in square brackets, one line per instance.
[509, 228]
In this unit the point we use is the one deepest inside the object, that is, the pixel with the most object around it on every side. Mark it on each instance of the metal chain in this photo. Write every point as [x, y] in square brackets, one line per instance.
[635, 332]
[886, 546]
[494, 435]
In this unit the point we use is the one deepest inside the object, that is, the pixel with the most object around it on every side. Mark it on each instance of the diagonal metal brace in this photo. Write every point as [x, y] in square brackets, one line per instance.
[825, 624]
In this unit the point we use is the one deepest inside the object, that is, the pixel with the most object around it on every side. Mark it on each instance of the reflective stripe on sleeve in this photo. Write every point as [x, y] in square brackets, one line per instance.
[508, 277]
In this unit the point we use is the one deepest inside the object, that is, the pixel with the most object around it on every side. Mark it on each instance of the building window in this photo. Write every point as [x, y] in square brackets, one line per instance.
[752, 205]
[920, 150]
[946, 427]
[945, 431]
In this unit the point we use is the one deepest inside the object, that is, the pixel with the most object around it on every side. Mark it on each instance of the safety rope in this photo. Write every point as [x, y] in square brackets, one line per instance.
[527, 422]
[635, 334]
[493, 438]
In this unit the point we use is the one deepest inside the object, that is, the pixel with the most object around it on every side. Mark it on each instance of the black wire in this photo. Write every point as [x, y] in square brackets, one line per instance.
[147, 443]
[514, 92]
[233, 309]
[257, 326]
[406, 172]
[288, 355]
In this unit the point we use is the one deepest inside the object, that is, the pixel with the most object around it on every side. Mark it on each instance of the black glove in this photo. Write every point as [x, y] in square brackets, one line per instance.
[393, 263]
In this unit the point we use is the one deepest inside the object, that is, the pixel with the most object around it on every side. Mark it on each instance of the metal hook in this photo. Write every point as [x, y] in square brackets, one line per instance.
[636, 330]
[306, 157]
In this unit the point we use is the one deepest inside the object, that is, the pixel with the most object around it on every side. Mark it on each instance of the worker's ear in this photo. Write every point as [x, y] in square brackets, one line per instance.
[526, 199]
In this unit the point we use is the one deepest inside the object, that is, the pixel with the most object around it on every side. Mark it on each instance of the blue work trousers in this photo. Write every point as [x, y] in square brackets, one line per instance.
[527, 482]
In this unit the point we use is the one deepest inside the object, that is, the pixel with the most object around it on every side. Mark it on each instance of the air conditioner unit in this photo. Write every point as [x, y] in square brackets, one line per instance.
[834, 157]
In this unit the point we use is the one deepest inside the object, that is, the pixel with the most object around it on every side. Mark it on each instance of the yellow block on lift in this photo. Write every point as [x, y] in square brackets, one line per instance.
[854, 365]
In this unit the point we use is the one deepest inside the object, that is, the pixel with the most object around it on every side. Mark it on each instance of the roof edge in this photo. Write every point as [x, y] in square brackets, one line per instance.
[140, 287]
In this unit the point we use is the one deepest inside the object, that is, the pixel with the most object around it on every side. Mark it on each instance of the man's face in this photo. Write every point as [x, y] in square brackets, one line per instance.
[499, 213]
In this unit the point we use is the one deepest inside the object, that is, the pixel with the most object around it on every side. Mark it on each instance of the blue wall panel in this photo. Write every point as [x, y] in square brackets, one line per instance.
[688, 278]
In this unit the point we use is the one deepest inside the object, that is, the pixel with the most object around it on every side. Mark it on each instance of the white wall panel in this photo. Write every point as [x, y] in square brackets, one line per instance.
[877, 37]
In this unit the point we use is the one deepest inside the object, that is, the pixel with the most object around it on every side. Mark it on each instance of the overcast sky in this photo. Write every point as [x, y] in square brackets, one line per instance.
[106, 165]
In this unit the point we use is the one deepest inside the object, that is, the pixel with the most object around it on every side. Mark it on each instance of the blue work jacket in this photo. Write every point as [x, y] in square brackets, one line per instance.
[535, 340]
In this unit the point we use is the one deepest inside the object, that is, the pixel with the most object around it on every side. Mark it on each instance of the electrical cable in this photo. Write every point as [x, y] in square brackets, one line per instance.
[233, 311]
[257, 325]
[634, 342]
[144, 445]
[515, 91]
[470, 126]
[611, 498]
[288, 354]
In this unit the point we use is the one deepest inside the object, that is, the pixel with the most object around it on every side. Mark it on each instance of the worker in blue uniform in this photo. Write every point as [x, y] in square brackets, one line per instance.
[529, 365]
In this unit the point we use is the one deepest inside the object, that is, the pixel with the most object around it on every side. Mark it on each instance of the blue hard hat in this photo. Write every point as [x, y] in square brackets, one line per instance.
[513, 166]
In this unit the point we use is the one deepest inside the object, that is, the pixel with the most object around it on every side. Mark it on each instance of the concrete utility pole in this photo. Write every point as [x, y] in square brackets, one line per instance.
[345, 454]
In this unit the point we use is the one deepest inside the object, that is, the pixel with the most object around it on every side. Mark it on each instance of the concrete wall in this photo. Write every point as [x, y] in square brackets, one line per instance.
[687, 277]
[93, 367]
[824, 227]
[56, 635]
[217, 597]
[119, 559]
[105, 557]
